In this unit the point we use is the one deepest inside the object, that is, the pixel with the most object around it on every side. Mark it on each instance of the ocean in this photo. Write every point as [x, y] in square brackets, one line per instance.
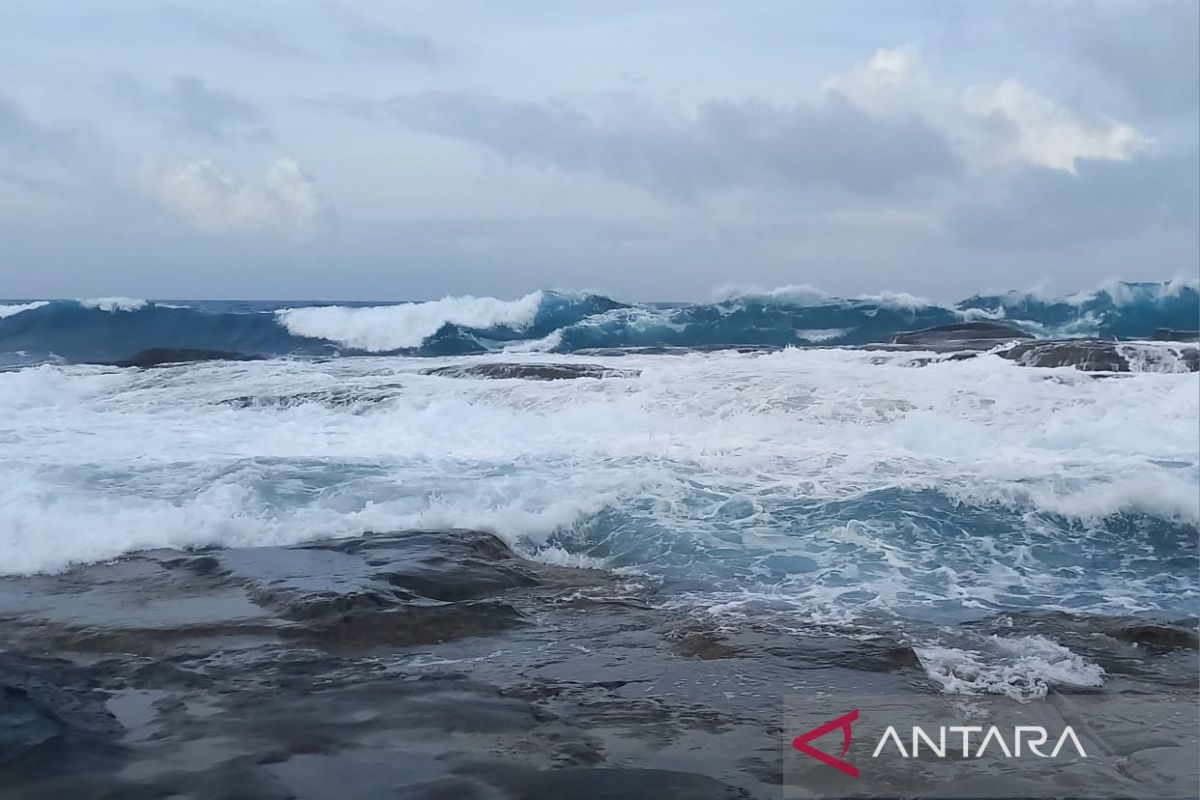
[766, 462]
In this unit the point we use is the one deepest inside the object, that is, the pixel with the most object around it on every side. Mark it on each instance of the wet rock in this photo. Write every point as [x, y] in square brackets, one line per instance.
[698, 642]
[52, 718]
[431, 664]
[979, 335]
[796, 649]
[533, 372]
[330, 398]
[1092, 355]
[160, 356]
[1089, 355]
[1158, 637]
[603, 784]
[444, 565]
[405, 626]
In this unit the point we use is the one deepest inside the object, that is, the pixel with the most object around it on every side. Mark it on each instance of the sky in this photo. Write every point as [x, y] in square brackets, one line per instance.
[652, 150]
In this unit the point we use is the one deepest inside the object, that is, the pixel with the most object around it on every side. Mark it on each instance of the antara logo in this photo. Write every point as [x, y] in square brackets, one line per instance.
[954, 741]
[844, 722]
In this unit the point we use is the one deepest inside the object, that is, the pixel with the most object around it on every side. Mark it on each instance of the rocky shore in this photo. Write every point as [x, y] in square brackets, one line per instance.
[434, 664]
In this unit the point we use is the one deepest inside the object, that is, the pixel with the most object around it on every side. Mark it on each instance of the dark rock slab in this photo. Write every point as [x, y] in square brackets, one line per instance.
[1096, 355]
[533, 372]
[1089, 355]
[978, 335]
[160, 356]
[52, 718]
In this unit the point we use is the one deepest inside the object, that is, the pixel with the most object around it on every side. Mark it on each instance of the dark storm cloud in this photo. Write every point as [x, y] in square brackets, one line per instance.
[1106, 199]
[724, 145]
[193, 107]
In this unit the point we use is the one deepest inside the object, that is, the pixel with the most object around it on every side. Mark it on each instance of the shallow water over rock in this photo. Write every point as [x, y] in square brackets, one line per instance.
[424, 664]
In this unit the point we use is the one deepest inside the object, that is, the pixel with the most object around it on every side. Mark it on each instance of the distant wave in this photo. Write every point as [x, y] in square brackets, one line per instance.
[16, 308]
[114, 304]
[103, 329]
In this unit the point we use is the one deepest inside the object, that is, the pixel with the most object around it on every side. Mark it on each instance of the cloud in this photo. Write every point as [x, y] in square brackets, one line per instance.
[339, 32]
[22, 135]
[1049, 135]
[44, 159]
[197, 109]
[990, 126]
[1150, 49]
[1099, 200]
[18, 131]
[237, 32]
[284, 200]
[378, 40]
[717, 145]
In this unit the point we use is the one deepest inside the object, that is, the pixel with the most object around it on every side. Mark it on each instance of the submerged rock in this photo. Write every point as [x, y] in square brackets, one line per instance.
[158, 356]
[350, 397]
[978, 335]
[1127, 646]
[533, 372]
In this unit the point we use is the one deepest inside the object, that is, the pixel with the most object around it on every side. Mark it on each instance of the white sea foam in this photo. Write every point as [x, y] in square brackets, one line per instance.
[1155, 356]
[543, 345]
[383, 328]
[17, 308]
[810, 475]
[1122, 293]
[818, 335]
[805, 295]
[114, 304]
[1023, 667]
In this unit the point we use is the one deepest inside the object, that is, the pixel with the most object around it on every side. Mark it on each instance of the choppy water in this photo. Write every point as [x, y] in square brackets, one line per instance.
[108, 329]
[814, 484]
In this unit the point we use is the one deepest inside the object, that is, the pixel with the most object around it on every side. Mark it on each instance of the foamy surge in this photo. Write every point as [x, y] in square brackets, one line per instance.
[812, 475]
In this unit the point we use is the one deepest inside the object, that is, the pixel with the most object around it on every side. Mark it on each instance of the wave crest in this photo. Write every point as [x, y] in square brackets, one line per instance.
[377, 329]
[113, 328]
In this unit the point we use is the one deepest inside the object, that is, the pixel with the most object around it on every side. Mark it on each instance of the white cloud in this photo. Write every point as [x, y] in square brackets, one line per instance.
[1050, 135]
[284, 200]
[1001, 124]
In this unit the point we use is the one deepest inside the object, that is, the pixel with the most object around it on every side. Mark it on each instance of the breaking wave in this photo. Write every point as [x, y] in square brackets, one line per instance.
[106, 329]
